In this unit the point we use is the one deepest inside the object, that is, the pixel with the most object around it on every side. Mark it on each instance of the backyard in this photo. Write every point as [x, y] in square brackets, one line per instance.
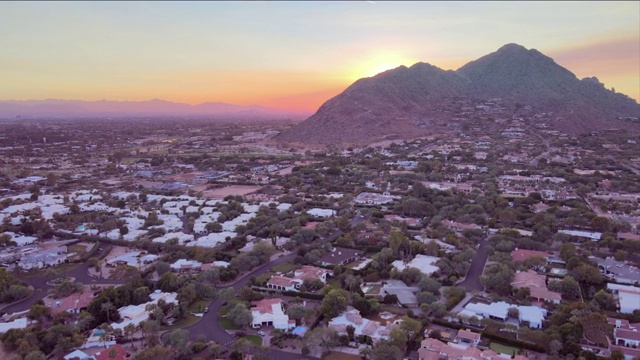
[503, 349]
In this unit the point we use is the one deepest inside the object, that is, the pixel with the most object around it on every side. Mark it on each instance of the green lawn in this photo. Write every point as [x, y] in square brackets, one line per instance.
[284, 267]
[503, 349]
[228, 324]
[255, 339]
[262, 278]
[198, 306]
[80, 250]
[187, 321]
[335, 283]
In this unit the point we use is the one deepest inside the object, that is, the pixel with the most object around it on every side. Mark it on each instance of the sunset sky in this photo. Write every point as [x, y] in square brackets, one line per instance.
[293, 55]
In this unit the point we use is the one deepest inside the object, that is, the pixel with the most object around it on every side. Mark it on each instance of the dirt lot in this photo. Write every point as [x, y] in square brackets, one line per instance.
[228, 190]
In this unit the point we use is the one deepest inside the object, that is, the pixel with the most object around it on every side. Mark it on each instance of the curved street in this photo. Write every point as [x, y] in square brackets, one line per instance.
[208, 326]
[472, 280]
[41, 288]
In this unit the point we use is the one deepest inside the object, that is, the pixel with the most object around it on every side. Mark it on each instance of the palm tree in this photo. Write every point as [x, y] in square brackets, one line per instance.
[352, 282]
[107, 306]
[106, 333]
[129, 330]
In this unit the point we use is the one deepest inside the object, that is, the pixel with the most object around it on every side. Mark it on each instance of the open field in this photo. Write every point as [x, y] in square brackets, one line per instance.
[230, 190]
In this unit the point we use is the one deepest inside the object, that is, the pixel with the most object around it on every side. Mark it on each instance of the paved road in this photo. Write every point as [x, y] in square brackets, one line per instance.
[472, 281]
[209, 327]
[545, 154]
[40, 283]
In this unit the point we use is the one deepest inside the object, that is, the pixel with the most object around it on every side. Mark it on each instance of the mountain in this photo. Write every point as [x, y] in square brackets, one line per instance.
[155, 107]
[420, 100]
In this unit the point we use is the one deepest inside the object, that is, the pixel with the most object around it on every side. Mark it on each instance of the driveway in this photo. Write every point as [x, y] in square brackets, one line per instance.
[472, 281]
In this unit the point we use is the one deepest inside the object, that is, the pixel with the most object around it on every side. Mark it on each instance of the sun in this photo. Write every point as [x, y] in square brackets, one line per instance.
[380, 62]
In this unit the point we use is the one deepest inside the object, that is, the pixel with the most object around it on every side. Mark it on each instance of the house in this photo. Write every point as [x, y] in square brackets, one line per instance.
[132, 258]
[135, 314]
[115, 352]
[628, 297]
[20, 240]
[534, 315]
[468, 337]
[339, 256]
[368, 198]
[44, 258]
[184, 265]
[432, 349]
[311, 273]
[269, 312]
[625, 333]
[424, 263]
[305, 273]
[457, 226]
[283, 283]
[72, 304]
[628, 236]
[15, 324]
[78, 355]
[373, 329]
[591, 235]
[409, 221]
[537, 286]
[448, 248]
[321, 213]
[405, 294]
[618, 271]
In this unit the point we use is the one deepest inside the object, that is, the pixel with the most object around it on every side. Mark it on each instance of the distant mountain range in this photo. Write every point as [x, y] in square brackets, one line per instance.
[408, 102]
[155, 107]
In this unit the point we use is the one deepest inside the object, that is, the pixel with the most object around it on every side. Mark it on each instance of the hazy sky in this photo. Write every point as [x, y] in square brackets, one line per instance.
[290, 54]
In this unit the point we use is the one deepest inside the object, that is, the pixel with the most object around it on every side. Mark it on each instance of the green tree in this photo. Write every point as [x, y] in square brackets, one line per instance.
[39, 312]
[178, 340]
[588, 274]
[498, 278]
[385, 350]
[240, 315]
[323, 338]
[334, 303]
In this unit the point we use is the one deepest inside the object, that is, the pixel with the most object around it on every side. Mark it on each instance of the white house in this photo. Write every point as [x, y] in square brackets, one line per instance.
[78, 354]
[135, 314]
[423, 263]
[184, 265]
[534, 315]
[299, 276]
[20, 240]
[591, 235]
[363, 326]
[628, 297]
[269, 312]
[367, 198]
[15, 324]
[44, 258]
[321, 213]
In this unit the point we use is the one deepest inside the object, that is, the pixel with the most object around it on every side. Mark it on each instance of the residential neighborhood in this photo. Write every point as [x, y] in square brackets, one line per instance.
[169, 243]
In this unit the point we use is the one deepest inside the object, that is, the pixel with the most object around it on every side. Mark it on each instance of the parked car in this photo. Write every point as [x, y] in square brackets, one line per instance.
[261, 333]
[206, 310]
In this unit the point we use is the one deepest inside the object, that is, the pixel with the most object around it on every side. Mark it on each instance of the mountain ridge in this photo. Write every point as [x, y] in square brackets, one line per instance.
[153, 107]
[408, 101]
